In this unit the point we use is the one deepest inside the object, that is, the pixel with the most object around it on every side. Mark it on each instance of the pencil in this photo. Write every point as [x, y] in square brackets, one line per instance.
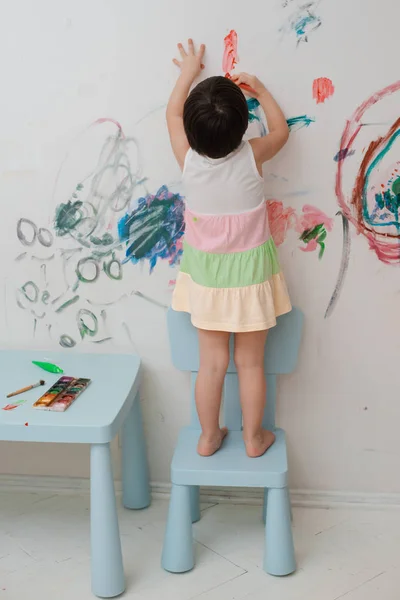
[26, 389]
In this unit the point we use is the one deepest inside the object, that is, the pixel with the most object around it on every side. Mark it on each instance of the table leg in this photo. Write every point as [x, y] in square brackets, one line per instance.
[107, 568]
[135, 472]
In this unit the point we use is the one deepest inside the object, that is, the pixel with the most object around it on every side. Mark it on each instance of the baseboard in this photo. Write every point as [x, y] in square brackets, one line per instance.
[302, 498]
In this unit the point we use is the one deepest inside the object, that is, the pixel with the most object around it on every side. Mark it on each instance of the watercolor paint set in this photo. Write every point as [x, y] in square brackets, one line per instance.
[62, 394]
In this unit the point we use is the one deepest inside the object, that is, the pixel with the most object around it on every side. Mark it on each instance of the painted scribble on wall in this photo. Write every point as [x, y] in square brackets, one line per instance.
[256, 115]
[230, 57]
[303, 19]
[154, 229]
[296, 123]
[323, 88]
[312, 225]
[102, 226]
[371, 204]
[110, 220]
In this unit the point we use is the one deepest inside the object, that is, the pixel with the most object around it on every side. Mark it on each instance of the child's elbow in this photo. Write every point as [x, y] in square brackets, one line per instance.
[285, 135]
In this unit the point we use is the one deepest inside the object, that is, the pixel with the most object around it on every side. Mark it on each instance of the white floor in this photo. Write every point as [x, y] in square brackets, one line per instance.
[44, 553]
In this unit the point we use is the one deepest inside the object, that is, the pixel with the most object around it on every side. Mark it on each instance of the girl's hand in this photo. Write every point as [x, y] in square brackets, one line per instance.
[191, 63]
[249, 81]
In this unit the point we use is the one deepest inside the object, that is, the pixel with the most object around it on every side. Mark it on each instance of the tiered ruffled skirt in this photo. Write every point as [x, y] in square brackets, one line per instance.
[230, 278]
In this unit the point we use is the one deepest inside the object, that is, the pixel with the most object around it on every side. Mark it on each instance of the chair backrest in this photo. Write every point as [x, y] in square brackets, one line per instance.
[281, 354]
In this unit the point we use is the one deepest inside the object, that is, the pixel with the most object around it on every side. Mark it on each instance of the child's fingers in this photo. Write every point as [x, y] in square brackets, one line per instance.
[238, 79]
[201, 51]
[190, 46]
[176, 62]
[182, 50]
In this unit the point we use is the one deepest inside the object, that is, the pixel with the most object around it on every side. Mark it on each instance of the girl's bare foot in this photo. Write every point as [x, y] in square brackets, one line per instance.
[208, 446]
[259, 444]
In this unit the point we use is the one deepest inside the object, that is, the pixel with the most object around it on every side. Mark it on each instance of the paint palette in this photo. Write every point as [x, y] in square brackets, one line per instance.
[62, 394]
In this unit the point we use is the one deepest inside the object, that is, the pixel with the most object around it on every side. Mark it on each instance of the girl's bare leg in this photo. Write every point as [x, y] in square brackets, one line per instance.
[214, 360]
[249, 361]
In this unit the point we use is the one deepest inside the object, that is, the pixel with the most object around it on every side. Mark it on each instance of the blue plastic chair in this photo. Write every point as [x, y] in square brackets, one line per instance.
[230, 466]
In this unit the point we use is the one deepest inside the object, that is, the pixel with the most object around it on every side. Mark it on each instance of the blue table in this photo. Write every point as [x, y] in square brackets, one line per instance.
[110, 403]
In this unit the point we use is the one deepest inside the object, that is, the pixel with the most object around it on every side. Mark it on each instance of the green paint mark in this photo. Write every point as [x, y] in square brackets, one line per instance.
[195, 219]
[311, 234]
[45, 297]
[79, 187]
[66, 341]
[87, 323]
[106, 339]
[106, 240]
[319, 234]
[30, 291]
[68, 215]
[67, 303]
[79, 273]
[396, 187]
[113, 269]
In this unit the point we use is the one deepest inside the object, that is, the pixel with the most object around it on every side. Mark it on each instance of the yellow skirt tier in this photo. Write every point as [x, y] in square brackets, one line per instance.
[233, 309]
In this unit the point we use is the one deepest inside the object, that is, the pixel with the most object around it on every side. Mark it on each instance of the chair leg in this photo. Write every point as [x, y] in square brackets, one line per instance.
[107, 568]
[177, 555]
[135, 472]
[265, 505]
[195, 503]
[290, 504]
[279, 551]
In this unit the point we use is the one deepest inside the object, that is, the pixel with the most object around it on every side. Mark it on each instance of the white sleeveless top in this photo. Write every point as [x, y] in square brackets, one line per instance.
[228, 185]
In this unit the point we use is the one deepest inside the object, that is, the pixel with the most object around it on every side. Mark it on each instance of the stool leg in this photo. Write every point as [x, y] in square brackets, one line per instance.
[195, 503]
[265, 505]
[177, 556]
[107, 568]
[279, 552]
[135, 472]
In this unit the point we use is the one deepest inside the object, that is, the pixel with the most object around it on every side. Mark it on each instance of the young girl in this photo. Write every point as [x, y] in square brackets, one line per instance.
[230, 280]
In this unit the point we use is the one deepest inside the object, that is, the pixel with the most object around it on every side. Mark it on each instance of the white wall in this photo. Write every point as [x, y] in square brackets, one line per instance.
[69, 63]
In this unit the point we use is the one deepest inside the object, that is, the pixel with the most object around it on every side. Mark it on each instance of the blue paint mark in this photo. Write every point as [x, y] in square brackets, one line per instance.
[296, 123]
[254, 109]
[252, 104]
[304, 22]
[154, 229]
[342, 154]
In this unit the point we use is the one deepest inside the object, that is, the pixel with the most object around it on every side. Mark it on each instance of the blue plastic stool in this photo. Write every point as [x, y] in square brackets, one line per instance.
[230, 466]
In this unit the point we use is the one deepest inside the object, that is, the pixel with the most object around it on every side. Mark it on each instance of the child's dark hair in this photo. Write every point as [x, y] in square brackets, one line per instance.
[215, 117]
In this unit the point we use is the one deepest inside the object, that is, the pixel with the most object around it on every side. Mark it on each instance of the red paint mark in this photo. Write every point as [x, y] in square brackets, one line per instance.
[310, 246]
[26, 424]
[172, 282]
[10, 406]
[109, 120]
[280, 220]
[230, 57]
[386, 246]
[323, 88]
[312, 217]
